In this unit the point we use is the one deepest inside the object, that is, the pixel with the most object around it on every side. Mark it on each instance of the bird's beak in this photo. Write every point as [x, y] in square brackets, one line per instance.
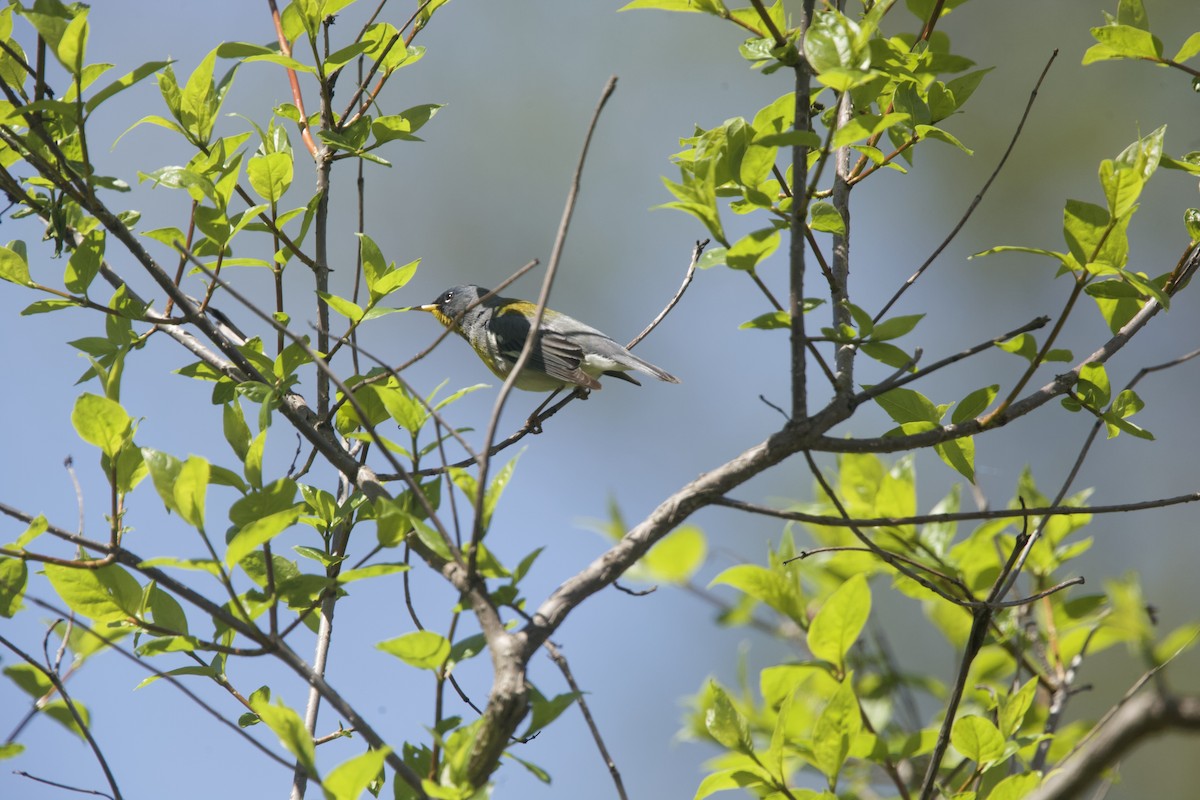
[431, 307]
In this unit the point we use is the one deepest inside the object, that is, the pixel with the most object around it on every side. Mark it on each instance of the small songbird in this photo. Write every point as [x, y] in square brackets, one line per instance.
[566, 353]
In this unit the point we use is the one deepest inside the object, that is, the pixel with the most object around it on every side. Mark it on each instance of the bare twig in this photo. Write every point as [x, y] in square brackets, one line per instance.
[58, 785]
[683, 287]
[115, 646]
[558, 658]
[285, 47]
[959, 516]
[80, 722]
[506, 705]
[978, 197]
[797, 224]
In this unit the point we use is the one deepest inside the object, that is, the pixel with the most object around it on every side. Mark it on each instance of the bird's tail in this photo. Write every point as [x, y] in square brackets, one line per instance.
[648, 368]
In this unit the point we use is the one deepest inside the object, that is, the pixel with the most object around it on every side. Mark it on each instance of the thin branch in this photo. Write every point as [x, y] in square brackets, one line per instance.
[900, 378]
[376, 64]
[887, 557]
[839, 297]
[981, 621]
[558, 658]
[797, 224]
[115, 646]
[683, 287]
[978, 197]
[80, 722]
[506, 705]
[58, 785]
[1060, 385]
[285, 47]
[959, 516]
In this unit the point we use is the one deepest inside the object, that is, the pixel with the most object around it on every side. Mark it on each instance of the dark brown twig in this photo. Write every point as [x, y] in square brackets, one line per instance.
[561, 661]
[978, 197]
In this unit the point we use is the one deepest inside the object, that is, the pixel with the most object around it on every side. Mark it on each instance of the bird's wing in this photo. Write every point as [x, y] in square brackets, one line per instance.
[555, 354]
[561, 359]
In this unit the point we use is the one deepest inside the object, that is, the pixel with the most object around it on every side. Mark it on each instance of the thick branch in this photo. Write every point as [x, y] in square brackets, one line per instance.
[1145, 716]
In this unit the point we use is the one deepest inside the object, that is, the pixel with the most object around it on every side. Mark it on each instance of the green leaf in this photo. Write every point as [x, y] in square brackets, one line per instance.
[1023, 345]
[959, 454]
[905, 405]
[835, 49]
[46, 306]
[166, 611]
[200, 100]
[102, 422]
[1015, 787]
[287, 725]
[237, 432]
[1014, 707]
[403, 125]
[895, 327]
[190, 489]
[107, 594]
[1126, 404]
[774, 320]
[420, 649]
[1122, 41]
[395, 278]
[789, 138]
[372, 571]
[670, 5]
[977, 739]
[84, 263]
[14, 268]
[836, 728]
[543, 711]
[1175, 643]
[771, 586]
[73, 44]
[864, 126]
[888, 354]
[254, 534]
[336, 60]
[725, 723]
[752, 248]
[677, 556]
[164, 470]
[1085, 227]
[13, 576]
[351, 778]
[1124, 177]
[341, 305]
[374, 265]
[974, 404]
[36, 528]
[837, 625]
[124, 82]
[1190, 47]
[197, 186]
[270, 175]
[824, 217]
[925, 132]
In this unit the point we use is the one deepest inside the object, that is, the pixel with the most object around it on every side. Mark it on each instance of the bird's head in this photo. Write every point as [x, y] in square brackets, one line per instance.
[451, 304]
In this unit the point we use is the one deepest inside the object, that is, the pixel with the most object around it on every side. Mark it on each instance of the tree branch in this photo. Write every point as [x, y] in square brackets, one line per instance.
[1145, 716]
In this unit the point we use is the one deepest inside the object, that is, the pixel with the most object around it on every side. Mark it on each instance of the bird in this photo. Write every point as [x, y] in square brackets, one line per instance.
[566, 353]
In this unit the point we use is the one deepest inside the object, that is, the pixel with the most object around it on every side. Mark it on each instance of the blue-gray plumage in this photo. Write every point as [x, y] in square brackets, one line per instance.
[566, 352]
